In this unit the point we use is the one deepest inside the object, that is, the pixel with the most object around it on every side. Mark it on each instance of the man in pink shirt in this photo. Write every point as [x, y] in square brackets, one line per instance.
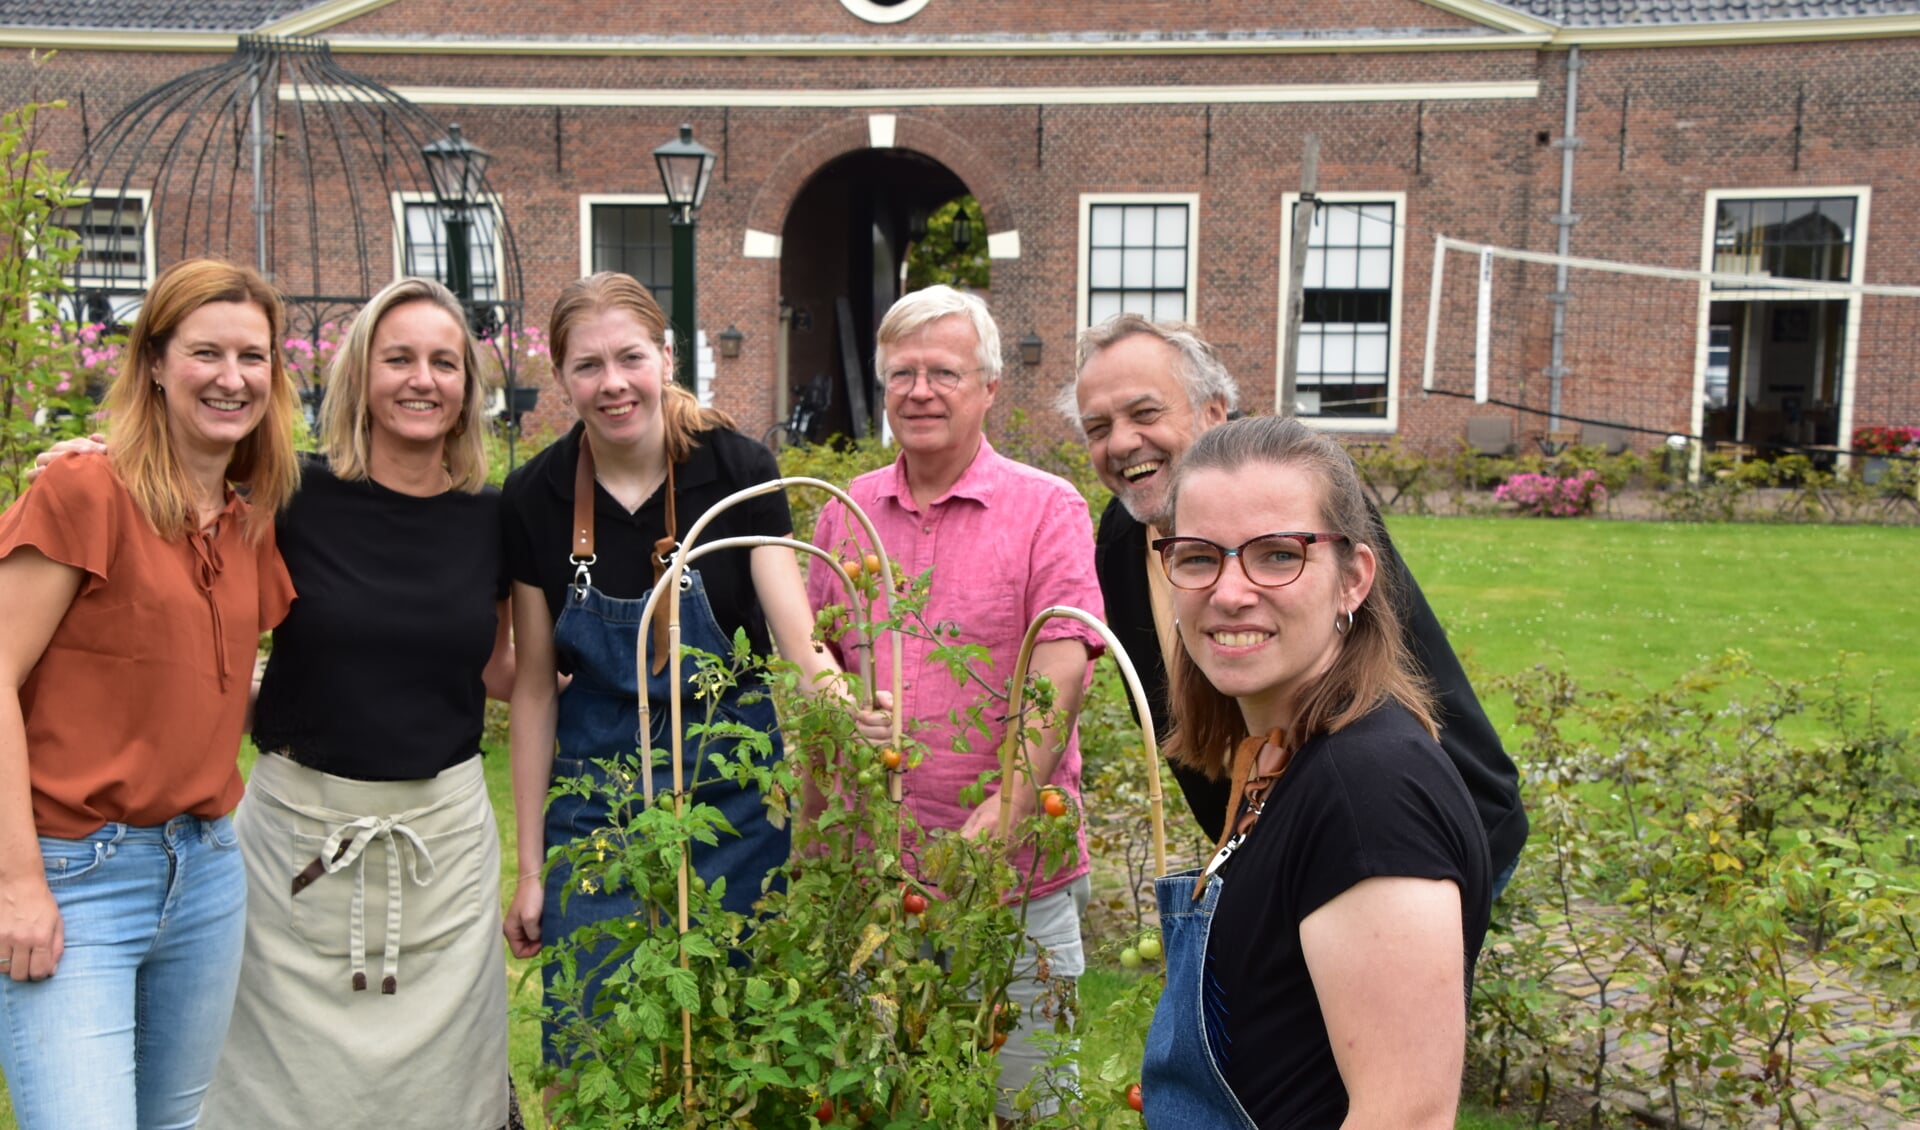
[1004, 541]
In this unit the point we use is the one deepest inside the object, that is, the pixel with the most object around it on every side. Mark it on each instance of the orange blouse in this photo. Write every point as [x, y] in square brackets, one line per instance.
[135, 709]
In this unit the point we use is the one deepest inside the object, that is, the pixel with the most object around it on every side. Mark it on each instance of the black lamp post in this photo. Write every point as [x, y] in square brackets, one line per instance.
[686, 166]
[459, 171]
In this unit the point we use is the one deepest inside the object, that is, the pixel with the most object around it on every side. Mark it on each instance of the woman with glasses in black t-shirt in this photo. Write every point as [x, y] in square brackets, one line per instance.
[1318, 967]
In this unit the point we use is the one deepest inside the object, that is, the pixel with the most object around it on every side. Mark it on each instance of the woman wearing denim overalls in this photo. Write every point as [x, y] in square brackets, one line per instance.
[1318, 968]
[655, 462]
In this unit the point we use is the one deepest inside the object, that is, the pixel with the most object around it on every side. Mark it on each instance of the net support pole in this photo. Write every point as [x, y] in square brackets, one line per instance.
[1433, 310]
[1297, 276]
[1483, 331]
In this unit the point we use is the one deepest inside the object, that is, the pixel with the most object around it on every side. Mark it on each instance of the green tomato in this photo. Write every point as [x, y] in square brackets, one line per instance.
[1129, 958]
[868, 776]
[1150, 947]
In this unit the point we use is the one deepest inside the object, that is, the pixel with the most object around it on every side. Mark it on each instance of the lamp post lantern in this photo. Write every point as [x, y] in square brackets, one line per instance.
[459, 169]
[686, 167]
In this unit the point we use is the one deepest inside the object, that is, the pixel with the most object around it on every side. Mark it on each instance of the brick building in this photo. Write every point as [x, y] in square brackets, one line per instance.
[1148, 154]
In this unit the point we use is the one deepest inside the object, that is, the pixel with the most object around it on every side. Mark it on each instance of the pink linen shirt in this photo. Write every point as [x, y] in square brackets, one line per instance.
[1004, 543]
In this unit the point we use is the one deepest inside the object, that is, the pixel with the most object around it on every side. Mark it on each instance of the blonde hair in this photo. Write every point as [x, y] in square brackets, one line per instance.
[1372, 665]
[347, 429]
[681, 415]
[139, 438]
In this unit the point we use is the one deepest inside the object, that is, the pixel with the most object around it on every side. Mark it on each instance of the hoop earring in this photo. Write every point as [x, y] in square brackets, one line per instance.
[1343, 623]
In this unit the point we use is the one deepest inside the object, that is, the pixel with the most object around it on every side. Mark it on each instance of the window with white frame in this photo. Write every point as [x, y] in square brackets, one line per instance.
[113, 267]
[432, 238]
[632, 235]
[1349, 302]
[1799, 237]
[1137, 256]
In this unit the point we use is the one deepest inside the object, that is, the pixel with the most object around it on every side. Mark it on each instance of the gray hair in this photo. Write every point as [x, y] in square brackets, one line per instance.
[922, 308]
[1196, 363]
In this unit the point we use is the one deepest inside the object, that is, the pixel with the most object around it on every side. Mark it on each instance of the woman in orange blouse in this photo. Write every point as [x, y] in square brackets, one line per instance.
[134, 588]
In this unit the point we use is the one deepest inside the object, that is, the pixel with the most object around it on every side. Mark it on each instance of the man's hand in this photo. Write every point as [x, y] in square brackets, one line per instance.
[95, 444]
[985, 820]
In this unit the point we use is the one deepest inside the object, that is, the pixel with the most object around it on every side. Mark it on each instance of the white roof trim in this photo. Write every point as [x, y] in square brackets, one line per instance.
[939, 96]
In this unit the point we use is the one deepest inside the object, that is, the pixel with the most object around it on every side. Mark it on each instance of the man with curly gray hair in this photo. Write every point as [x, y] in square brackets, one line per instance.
[1142, 393]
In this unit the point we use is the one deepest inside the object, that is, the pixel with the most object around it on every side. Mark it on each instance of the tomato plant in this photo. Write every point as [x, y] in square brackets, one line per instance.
[827, 988]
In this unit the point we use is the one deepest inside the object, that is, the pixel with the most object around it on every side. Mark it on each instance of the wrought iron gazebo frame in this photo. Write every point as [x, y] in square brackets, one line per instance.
[230, 160]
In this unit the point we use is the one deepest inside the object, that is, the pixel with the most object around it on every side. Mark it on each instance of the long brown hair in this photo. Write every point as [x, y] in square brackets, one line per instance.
[681, 415]
[1372, 665]
[139, 439]
[349, 430]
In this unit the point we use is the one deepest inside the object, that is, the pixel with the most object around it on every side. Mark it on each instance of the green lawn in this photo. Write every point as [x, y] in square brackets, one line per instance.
[1625, 603]
[1616, 603]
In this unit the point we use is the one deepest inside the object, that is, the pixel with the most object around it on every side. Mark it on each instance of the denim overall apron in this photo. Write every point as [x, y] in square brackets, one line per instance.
[597, 636]
[1182, 1076]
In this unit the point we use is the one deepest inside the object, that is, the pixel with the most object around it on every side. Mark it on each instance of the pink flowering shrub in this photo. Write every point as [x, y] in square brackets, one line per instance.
[525, 348]
[1553, 496]
[308, 357]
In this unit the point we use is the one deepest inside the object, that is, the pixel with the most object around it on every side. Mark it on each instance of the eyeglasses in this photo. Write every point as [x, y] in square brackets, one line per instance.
[939, 380]
[1270, 560]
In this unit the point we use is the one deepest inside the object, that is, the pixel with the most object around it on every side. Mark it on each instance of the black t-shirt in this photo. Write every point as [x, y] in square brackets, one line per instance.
[376, 672]
[1120, 558]
[539, 526]
[1379, 798]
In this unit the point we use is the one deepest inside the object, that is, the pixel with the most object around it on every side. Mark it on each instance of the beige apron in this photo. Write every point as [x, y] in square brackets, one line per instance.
[377, 994]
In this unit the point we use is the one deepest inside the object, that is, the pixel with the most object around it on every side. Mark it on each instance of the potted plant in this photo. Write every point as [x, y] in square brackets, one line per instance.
[525, 350]
[1880, 443]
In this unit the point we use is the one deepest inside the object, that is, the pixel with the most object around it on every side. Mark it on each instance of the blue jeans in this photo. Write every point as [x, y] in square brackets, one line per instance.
[126, 1032]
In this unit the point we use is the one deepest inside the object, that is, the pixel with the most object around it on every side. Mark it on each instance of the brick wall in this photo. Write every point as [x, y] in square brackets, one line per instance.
[475, 18]
[1660, 127]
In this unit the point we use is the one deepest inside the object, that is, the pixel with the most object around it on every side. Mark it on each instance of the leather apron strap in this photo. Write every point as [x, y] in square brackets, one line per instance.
[583, 555]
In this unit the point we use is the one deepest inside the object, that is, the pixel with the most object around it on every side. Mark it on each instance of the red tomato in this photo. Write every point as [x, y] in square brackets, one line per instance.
[824, 1112]
[1133, 1097]
[1054, 802]
[913, 902]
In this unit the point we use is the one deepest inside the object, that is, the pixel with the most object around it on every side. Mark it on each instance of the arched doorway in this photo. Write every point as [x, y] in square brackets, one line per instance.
[843, 247]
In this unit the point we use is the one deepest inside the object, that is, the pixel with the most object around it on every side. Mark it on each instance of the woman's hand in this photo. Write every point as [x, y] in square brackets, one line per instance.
[876, 725]
[32, 936]
[522, 925]
[95, 444]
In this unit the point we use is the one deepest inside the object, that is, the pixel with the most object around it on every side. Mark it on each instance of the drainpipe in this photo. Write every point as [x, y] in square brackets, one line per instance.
[1564, 220]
